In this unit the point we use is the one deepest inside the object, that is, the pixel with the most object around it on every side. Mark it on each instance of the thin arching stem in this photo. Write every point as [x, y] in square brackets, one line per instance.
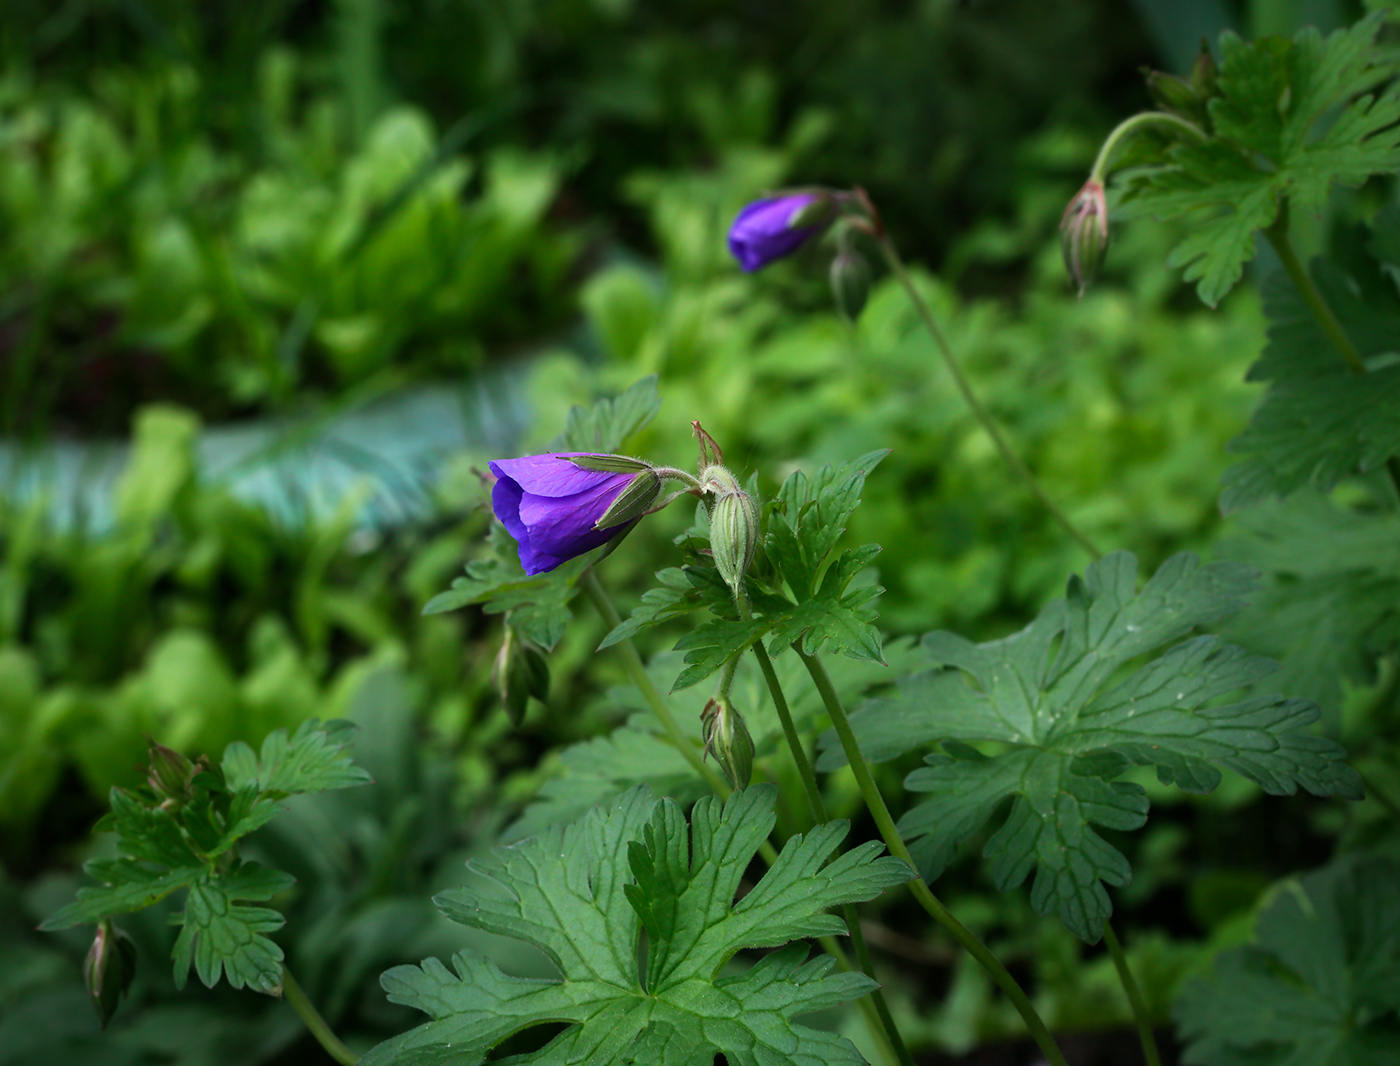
[817, 807]
[1135, 1000]
[979, 412]
[1132, 125]
[296, 999]
[875, 802]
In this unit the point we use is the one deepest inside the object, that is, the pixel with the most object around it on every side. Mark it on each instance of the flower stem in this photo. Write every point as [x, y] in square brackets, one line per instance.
[983, 416]
[632, 661]
[1277, 235]
[1130, 986]
[819, 814]
[875, 802]
[311, 1018]
[1131, 125]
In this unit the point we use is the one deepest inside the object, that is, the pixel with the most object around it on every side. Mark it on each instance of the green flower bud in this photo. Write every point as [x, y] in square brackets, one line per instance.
[519, 672]
[635, 500]
[108, 969]
[1084, 234]
[733, 524]
[850, 284]
[726, 735]
[1204, 72]
[170, 774]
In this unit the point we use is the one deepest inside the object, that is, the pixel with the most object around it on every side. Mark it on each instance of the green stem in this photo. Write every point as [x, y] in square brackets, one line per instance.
[1130, 986]
[1131, 125]
[311, 1018]
[632, 661]
[819, 814]
[1327, 320]
[983, 416]
[1039, 1031]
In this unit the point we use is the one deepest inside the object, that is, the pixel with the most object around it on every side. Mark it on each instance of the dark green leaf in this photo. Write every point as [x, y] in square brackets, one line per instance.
[1049, 697]
[1320, 986]
[1320, 422]
[568, 893]
[1268, 145]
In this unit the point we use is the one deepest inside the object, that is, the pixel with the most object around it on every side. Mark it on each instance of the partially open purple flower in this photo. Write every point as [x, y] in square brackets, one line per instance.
[770, 229]
[552, 506]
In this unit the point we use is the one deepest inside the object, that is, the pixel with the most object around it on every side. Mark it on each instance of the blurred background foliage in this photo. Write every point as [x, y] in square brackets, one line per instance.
[253, 213]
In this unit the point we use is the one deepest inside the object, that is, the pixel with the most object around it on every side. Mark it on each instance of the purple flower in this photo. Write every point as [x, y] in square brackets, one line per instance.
[552, 505]
[770, 229]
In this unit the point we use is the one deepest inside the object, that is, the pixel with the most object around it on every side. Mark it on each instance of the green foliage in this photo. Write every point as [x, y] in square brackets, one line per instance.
[1067, 720]
[595, 771]
[164, 845]
[1319, 985]
[234, 278]
[198, 618]
[1264, 149]
[801, 597]
[568, 893]
[1320, 420]
[1329, 610]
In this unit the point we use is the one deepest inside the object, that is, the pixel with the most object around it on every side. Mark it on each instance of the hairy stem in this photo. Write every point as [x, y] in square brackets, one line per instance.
[1327, 320]
[817, 806]
[983, 416]
[1131, 125]
[1135, 1000]
[311, 1018]
[632, 661]
[875, 802]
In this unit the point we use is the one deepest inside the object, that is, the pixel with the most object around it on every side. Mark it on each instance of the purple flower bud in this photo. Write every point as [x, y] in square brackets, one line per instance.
[554, 507]
[770, 229]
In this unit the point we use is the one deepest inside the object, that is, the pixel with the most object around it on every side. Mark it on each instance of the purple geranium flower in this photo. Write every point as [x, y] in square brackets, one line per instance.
[764, 230]
[551, 506]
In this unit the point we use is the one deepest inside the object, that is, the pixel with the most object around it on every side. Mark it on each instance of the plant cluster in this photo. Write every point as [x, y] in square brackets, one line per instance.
[671, 938]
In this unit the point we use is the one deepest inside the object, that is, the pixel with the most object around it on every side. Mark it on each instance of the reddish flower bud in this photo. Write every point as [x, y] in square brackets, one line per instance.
[1084, 234]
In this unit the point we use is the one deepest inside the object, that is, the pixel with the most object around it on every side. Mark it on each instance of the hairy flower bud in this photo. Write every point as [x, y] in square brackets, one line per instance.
[733, 524]
[1084, 234]
[519, 672]
[108, 969]
[726, 735]
[1203, 72]
[850, 283]
[170, 774]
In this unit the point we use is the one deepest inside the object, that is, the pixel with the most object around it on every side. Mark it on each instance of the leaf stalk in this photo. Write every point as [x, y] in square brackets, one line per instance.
[979, 412]
[875, 802]
[296, 999]
[1135, 1000]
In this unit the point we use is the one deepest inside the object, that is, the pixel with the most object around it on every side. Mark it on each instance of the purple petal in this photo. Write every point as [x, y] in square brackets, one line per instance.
[760, 232]
[559, 525]
[551, 474]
